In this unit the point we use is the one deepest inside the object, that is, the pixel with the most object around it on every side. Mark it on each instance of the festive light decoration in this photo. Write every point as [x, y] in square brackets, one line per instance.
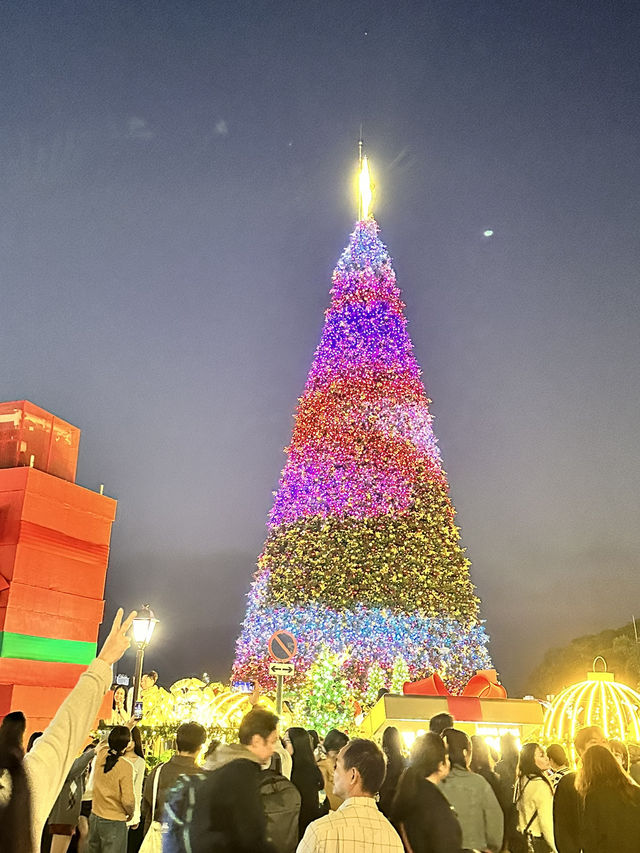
[363, 557]
[328, 701]
[376, 681]
[598, 701]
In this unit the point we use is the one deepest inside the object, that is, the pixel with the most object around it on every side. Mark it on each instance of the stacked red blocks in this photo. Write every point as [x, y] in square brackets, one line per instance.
[54, 551]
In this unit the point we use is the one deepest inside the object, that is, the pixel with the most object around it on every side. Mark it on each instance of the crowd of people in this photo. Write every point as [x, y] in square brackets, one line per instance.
[294, 792]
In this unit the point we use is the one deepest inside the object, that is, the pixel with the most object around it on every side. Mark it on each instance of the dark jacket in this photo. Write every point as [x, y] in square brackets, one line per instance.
[177, 765]
[611, 822]
[228, 816]
[567, 816]
[427, 819]
[66, 809]
[395, 766]
[309, 782]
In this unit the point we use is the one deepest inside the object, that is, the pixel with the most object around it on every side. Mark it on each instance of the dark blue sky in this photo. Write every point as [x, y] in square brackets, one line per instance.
[176, 183]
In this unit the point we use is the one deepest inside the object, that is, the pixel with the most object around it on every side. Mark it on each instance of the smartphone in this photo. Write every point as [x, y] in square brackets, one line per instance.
[137, 710]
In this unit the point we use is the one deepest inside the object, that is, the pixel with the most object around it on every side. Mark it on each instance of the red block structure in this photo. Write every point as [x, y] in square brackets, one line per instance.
[54, 550]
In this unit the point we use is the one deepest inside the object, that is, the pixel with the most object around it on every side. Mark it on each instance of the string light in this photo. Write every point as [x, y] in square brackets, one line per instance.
[363, 557]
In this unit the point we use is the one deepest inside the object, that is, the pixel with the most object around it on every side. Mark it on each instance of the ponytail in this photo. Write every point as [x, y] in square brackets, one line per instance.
[119, 738]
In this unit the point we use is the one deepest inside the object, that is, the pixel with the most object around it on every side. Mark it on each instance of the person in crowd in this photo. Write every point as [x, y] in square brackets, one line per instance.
[149, 682]
[620, 752]
[209, 757]
[506, 769]
[228, 813]
[471, 797]
[189, 740]
[281, 762]
[634, 761]
[15, 801]
[305, 775]
[611, 804]
[558, 762]
[63, 820]
[135, 754]
[567, 808]
[482, 763]
[114, 799]
[420, 810]
[85, 809]
[119, 714]
[357, 826]
[534, 797]
[440, 723]
[392, 748]
[318, 750]
[315, 739]
[35, 779]
[333, 742]
[33, 737]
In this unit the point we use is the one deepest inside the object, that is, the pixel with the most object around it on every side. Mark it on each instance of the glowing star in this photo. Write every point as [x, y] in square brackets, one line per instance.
[488, 233]
[364, 184]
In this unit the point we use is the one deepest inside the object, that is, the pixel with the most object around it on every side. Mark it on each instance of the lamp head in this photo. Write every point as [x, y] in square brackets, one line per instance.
[143, 626]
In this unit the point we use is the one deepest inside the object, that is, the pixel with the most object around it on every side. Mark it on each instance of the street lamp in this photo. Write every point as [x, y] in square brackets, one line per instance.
[143, 626]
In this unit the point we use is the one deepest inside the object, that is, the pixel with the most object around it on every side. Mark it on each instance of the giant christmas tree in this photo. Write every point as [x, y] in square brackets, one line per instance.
[363, 561]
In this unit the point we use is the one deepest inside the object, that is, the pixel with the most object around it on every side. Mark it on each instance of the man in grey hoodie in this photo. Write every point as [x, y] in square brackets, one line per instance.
[228, 814]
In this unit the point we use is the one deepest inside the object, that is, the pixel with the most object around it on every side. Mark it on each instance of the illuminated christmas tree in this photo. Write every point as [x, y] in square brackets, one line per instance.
[363, 557]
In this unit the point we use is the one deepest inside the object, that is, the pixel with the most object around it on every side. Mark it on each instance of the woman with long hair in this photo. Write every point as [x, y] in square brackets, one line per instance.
[392, 748]
[471, 797]
[15, 797]
[420, 811]
[119, 715]
[506, 769]
[333, 742]
[305, 775]
[114, 799]
[135, 754]
[533, 796]
[611, 804]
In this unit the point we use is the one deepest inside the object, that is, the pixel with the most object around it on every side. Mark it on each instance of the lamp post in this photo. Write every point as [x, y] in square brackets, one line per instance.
[143, 626]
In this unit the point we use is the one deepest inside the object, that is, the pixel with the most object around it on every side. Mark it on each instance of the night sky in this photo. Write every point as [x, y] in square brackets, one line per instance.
[177, 185]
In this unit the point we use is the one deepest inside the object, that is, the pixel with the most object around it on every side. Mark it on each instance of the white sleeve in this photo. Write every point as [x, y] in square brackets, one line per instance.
[54, 752]
[543, 801]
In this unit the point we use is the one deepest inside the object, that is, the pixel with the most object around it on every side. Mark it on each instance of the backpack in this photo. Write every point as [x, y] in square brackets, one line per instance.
[178, 813]
[281, 802]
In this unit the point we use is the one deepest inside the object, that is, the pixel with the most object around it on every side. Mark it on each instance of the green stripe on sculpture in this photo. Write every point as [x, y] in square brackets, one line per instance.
[26, 647]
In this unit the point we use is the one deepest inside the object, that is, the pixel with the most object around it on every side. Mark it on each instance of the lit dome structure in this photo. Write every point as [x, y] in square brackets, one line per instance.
[598, 701]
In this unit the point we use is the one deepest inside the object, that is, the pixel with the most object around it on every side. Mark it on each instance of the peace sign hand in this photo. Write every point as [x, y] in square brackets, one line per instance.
[117, 641]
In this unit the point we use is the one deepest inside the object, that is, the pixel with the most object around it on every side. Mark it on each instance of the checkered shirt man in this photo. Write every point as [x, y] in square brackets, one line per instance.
[356, 827]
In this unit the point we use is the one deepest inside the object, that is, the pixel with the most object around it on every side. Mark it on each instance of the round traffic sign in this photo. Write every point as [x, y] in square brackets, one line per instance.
[282, 646]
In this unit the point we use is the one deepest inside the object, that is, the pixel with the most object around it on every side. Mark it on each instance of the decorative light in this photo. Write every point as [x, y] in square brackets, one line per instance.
[363, 558]
[598, 701]
[143, 626]
[364, 186]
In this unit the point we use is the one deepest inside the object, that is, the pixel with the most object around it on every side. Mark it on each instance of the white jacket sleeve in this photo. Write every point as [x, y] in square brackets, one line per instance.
[54, 752]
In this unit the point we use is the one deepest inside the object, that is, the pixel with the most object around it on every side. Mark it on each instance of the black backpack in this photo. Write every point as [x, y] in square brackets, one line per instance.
[178, 813]
[281, 801]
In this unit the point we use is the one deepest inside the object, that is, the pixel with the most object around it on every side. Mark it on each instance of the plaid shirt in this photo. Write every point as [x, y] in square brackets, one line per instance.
[356, 827]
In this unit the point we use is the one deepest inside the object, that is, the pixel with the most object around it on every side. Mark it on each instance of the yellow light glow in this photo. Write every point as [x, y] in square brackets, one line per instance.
[598, 701]
[492, 734]
[364, 187]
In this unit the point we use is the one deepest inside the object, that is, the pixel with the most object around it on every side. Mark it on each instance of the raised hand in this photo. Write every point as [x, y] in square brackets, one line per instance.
[117, 641]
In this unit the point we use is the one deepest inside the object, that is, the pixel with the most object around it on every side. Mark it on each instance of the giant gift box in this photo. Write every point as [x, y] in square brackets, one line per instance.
[54, 550]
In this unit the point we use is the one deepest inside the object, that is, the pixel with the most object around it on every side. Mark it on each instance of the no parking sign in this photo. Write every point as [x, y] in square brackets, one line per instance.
[282, 646]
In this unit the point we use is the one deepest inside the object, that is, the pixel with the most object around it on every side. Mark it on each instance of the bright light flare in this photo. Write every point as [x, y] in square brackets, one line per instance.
[364, 189]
